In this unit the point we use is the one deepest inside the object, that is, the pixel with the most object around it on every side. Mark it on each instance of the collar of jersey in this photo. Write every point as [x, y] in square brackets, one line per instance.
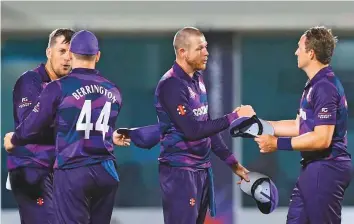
[182, 74]
[86, 71]
[319, 75]
[43, 72]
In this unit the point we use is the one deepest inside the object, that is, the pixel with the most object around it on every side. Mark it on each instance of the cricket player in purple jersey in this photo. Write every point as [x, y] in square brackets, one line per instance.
[319, 133]
[30, 166]
[188, 134]
[84, 106]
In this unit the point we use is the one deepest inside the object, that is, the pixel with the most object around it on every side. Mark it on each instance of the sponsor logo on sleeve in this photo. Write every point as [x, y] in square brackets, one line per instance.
[25, 102]
[324, 114]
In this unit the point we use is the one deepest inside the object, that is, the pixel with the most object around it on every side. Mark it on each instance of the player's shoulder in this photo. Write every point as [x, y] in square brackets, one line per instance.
[334, 82]
[111, 87]
[54, 86]
[101, 78]
[58, 83]
[108, 84]
[329, 85]
[170, 80]
[171, 84]
[28, 76]
[330, 81]
[62, 79]
[67, 82]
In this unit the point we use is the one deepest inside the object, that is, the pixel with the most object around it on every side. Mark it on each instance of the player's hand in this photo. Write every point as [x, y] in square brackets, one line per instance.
[266, 143]
[121, 140]
[242, 172]
[7, 142]
[245, 111]
[236, 109]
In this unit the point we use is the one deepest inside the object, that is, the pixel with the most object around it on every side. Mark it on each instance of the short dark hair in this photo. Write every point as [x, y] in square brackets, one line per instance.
[85, 57]
[322, 42]
[66, 32]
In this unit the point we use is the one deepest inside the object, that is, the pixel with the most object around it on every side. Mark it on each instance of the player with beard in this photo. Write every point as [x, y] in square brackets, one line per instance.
[188, 134]
[30, 166]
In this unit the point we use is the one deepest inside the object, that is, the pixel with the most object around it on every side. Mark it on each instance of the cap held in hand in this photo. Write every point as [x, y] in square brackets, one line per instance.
[143, 137]
[250, 127]
[262, 189]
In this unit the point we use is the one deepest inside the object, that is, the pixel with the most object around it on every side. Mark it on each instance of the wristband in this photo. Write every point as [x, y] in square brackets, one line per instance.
[284, 143]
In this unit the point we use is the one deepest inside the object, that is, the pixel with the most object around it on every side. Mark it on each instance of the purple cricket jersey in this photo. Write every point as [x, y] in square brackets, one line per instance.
[41, 154]
[84, 107]
[187, 132]
[324, 103]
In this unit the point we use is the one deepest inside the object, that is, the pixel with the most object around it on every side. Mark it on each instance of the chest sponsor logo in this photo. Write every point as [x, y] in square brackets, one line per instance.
[203, 110]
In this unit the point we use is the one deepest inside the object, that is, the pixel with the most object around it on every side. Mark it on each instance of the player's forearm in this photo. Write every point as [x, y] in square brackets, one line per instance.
[36, 136]
[220, 149]
[285, 128]
[21, 138]
[47, 137]
[30, 129]
[310, 141]
[196, 130]
[226, 156]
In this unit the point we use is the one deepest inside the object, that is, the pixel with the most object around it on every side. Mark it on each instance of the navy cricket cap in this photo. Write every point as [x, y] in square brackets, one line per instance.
[84, 42]
[250, 127]
[144, 137]
[262, 189]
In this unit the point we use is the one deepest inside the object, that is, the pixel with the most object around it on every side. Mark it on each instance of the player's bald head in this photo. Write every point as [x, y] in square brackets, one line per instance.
[182, 37]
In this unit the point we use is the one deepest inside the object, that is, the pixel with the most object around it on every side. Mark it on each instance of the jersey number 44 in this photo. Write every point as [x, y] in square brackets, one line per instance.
[101, 123]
